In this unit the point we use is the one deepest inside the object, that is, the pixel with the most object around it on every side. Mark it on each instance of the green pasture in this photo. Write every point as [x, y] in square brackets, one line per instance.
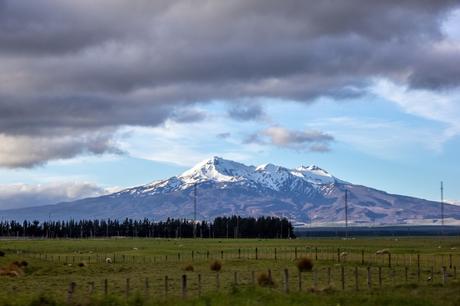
[419, 271]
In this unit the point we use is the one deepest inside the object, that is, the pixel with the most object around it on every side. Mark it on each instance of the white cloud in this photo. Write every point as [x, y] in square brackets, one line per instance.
[26, 195]
[441, 106]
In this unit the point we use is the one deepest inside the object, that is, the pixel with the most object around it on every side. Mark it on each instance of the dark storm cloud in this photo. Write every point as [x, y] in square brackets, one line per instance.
[74, 67]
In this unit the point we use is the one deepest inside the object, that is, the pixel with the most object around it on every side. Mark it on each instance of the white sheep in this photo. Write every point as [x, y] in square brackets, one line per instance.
[108, 260]
[383, 252]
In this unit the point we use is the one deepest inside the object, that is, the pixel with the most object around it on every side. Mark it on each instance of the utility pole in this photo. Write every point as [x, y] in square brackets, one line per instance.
[194, 210]
[346, 213]
[442, 206]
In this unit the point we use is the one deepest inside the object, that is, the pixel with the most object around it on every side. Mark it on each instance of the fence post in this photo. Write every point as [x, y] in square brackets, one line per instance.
[275, 254]
[222, 255]
[316, 253]
[235, 278]
[342, 274]
[300, 280]
[380, 277]
[389, 260]
[455, 272]
[444, 275]
[146, 286]
[184, 286]
[106, 287]
[239, 253]
[362, 257]
[199, 284]
[406, 274]
[256, 254]
[369, 278]
[127, 287]
[207, 254]
[356, 278]
[70, 291]
[91, 288]
[178, 256]
[193, 255]
[286, 281]
[450, 261]
[418, 267]
[338, 254]
[166, 285]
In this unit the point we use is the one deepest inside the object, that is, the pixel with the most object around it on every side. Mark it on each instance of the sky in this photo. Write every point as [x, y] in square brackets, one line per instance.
[96, 96]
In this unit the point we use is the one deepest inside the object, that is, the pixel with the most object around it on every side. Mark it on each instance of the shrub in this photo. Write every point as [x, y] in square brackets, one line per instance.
[264, 280]
[188, 268]
[82, 264]
[304, 264]
[216, 266]
[2, 253]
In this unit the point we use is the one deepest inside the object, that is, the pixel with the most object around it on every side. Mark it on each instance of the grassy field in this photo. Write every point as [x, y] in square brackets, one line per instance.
[346, 272]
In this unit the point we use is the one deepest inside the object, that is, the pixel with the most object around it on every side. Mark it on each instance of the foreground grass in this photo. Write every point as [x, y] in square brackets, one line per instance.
[47, 280]
[409, 295]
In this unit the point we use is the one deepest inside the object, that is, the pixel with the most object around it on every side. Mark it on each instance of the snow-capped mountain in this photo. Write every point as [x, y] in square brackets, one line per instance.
[307, 194]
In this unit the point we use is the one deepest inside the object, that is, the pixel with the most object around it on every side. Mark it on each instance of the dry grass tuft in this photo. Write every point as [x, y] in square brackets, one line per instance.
[264, 280]
[188, 268]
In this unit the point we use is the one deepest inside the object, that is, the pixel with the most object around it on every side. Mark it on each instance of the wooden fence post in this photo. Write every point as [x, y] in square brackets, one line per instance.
[418, 267]
[193, 255]
[146, 286]
[286, 281]
[222, 254]
[106, 287]
[184, 286]
[256, 254]
[239, 253]
[338, 254]
[389, 260]
[369, 278]
[455, 272]
[207, 255]
[450, 261]
[275, 254]
[342, 278]
[199, 284]
[356, 279]
[300, 280]
[70, 292]
[362, 257]
[316, 253]
[166, 285]
[444, 275]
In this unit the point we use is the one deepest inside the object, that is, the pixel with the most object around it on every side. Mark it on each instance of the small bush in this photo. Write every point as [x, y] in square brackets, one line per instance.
[304, 264]
[2, 253]
[264, 280]
[24, 263]
[188, 268]
[82, 264]
[216, 266]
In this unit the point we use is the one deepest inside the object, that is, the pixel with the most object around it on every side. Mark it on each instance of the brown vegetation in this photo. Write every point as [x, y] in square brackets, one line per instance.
[264, 280]
[216, 266]
[188, 268]
[304, 264]
[14, 269]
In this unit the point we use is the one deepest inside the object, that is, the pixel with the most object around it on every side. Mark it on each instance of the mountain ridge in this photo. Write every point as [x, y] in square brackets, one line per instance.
[305, 195]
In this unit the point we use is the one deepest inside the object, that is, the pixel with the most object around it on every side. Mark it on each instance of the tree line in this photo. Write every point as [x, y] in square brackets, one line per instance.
[221, 227]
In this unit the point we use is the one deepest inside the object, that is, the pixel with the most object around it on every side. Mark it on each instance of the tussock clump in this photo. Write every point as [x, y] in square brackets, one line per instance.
[82, 264]
[216, 266]
[2, 253]
[304, 264]
[14, 269]
[188, 268]
[264, 280]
